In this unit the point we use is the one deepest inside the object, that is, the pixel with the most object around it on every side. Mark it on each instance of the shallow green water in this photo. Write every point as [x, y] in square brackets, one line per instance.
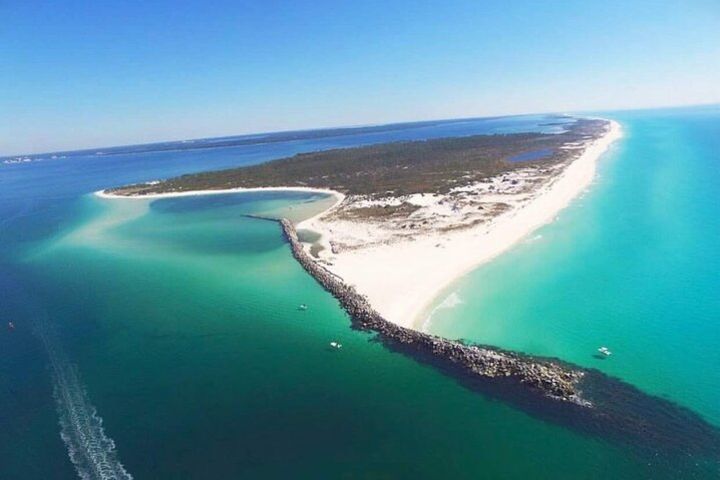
[191, 344]
[633, 265]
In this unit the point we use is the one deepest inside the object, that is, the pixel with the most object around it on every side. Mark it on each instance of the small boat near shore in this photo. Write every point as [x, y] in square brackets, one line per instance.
[302, 307]
[604, 351]
[336, 345]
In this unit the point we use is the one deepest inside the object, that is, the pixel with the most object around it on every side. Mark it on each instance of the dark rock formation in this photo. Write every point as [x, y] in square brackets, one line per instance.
[670, 436]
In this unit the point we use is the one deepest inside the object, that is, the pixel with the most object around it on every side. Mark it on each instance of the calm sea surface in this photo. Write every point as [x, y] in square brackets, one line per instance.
[162, 339]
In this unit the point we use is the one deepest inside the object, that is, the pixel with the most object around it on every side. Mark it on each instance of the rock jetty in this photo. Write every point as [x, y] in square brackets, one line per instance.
[544, 376]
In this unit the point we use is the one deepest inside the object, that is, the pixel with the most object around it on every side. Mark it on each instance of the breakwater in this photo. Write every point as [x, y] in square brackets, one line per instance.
[549, 378]
[585, 400]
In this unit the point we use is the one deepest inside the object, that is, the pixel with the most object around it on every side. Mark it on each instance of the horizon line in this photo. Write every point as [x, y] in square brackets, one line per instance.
[349, 127]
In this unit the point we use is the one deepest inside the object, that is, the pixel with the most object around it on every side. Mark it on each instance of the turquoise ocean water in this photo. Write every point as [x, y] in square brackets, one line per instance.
[163, 340]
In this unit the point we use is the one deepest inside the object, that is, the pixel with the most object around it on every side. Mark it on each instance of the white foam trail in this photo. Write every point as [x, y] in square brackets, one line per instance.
[451, 301]
[92, 452]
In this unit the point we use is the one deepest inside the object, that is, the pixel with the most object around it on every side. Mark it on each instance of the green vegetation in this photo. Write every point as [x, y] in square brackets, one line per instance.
[398, 168]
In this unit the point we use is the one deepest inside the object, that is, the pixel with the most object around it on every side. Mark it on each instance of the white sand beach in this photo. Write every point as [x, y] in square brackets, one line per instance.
[340, 197]
[402, 278]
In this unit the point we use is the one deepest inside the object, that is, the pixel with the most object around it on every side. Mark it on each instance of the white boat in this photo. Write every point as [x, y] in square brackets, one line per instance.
[302, 307]
[336, 345]
[605, 351]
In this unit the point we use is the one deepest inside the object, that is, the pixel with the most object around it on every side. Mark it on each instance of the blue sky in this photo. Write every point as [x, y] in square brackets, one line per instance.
[87, 74]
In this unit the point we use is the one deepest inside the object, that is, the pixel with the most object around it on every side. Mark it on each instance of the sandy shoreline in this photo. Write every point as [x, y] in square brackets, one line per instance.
[338, 195]
[402, 279]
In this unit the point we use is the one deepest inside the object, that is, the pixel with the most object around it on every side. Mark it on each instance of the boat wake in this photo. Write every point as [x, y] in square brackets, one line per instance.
[91, 451]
